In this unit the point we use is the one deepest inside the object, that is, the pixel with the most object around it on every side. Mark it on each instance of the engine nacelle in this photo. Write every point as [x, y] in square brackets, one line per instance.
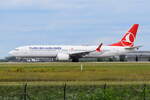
[62, 56]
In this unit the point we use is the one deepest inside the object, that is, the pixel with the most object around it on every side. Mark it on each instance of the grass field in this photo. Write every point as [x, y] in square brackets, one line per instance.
[105, 72]
[80, 92]
[125, 81]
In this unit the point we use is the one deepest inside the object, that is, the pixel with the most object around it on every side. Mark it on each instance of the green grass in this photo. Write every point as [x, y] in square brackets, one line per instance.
[125, 81]
[15, 72]
[80, 92]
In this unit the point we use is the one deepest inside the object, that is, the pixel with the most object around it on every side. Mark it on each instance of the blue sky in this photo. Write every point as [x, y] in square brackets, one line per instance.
[26, 22]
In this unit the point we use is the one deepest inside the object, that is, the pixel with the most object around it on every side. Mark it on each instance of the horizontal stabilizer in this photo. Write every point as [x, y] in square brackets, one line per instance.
[135, 47]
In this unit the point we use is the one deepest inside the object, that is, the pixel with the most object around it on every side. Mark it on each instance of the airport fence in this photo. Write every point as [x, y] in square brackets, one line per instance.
[67, 92]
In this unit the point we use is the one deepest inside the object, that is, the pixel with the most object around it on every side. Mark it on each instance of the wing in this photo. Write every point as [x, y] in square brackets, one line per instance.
[81, 54]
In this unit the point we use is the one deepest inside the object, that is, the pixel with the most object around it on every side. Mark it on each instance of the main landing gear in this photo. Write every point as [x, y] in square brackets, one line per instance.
[75, 59]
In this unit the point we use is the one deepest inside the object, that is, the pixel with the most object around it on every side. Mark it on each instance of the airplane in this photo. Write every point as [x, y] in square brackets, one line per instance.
[70, 52]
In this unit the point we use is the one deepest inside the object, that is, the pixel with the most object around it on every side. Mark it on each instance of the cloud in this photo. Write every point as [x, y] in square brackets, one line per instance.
[14, 3]
[39, 4]
[64, 4]
[71, 21]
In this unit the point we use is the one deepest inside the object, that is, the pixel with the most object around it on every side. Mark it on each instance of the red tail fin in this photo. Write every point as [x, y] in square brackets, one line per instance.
[129, 38]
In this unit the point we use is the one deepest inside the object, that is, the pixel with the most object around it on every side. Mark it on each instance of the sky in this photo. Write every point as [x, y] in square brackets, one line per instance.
[71, 22]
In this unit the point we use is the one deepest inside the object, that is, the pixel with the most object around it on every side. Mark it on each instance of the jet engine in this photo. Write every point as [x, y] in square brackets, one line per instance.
[62, 56]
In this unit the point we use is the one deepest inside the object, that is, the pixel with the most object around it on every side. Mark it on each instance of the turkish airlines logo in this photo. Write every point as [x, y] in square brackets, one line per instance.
[128, 39]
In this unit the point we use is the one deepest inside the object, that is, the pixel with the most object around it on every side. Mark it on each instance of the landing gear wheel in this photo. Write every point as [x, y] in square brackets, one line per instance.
[75, 59]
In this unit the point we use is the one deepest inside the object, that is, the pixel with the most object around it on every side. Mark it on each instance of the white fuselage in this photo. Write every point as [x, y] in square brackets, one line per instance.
[54, 50]
[61, 52]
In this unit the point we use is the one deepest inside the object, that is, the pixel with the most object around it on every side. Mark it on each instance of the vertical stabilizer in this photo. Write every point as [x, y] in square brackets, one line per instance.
[129, 38]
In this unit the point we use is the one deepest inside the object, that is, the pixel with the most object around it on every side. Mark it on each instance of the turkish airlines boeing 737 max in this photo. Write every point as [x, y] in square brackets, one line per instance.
[61, 52]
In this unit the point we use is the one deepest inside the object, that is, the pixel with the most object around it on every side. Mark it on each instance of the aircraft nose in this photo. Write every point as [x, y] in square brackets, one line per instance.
[11, 52]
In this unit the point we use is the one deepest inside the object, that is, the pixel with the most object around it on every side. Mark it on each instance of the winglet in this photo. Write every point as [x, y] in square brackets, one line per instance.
[99, 47]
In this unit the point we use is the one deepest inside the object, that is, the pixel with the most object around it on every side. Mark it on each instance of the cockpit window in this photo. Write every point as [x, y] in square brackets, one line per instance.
[16, 49]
